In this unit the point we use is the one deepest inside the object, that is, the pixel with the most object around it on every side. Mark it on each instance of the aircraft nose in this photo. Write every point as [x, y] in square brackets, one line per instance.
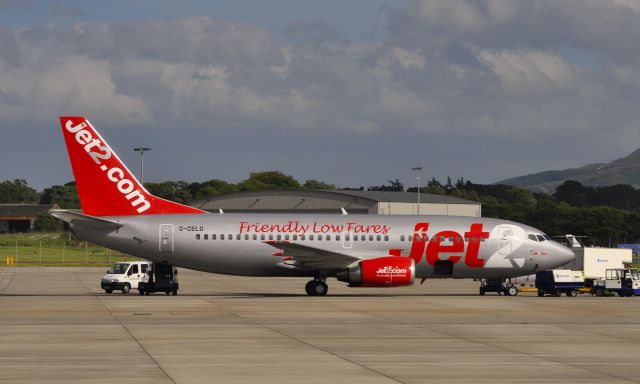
[564, 254]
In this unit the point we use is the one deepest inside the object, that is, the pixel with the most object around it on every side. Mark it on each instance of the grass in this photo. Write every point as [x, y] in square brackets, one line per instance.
[55, 249]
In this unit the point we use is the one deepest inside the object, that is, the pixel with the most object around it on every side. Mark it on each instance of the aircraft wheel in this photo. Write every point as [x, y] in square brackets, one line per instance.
[320, 289]
[126, 288]
[512, 291]
[309, 287]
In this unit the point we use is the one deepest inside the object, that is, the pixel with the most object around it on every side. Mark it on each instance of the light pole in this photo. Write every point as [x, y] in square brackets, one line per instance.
[418, 168]
[142, 149]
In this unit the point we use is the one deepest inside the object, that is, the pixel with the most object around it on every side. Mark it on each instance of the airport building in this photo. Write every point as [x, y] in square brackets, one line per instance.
[15, 218]
[331, 201]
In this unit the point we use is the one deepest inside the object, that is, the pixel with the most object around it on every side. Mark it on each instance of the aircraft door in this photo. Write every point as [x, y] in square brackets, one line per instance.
[347, 240]
[505, 244]
[166, 237]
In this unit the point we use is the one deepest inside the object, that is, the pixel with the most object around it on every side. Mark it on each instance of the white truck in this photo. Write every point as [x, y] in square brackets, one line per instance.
[124, 275]
[624, 282]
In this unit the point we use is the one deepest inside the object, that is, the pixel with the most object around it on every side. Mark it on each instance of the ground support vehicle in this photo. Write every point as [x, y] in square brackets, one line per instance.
[559, 281]
[124, 276]
[160, 278]
[498, 286]
[622, 281]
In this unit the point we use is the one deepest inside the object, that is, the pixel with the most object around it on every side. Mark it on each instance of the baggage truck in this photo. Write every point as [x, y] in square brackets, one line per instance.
[160, 278]
[559, 281]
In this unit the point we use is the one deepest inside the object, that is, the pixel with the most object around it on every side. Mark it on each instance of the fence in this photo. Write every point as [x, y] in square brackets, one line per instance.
[51, 250]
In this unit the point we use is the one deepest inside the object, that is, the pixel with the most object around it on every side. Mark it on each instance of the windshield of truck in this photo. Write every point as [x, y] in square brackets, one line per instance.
[119, 268]
[635, 274]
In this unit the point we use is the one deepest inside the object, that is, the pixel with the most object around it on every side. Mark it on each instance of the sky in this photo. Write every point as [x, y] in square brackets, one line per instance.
[353, 93]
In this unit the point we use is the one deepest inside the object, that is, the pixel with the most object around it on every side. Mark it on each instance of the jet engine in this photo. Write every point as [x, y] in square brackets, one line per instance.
[388, 271]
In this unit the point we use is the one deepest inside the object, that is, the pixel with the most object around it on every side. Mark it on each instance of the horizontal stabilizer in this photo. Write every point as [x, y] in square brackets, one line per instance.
[77, 218]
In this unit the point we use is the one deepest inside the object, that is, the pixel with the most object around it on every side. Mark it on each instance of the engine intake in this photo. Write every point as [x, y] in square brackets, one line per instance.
[388, 271]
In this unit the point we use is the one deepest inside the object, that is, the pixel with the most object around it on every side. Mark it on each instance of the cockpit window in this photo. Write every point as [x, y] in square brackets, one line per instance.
[541, 238]
[547, 237]
[532, 237]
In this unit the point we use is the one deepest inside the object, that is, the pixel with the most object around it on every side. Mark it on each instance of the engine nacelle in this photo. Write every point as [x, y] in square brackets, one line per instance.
[388, 271]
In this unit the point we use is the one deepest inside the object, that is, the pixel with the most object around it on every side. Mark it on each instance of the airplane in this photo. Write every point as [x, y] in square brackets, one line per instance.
[361, 250]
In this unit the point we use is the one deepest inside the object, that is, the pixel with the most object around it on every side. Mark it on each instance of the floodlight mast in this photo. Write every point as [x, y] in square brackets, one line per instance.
[142, 149]
[418, 168]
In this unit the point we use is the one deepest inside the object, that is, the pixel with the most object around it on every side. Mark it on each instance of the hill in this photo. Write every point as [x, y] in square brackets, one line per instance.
[625, 170]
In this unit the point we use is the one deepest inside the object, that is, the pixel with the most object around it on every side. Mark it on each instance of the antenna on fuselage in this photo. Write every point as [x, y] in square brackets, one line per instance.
[221, 211]
[344, 211]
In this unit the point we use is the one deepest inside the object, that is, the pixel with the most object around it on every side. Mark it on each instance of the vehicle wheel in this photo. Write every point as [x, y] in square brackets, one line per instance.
[481, 291]
[540, 293]
[167, 293]
[320, 289]
[599, 292]
[572, 293]
[174, 292]
[141, 291]
[146, 293]
[126, 288]
[512, 291]
[309, 287]
[109, 291]
[557, 293]
[621, 293]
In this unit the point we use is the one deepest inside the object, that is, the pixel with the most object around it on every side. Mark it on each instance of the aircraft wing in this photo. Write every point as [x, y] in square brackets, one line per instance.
[305, 257]
[77, 218]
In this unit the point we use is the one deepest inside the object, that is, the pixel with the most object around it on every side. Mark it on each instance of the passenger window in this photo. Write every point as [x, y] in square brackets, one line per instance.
[319, 237]
[270, 237]
[295, 237]
[401, 237]
[327, 237]
[302, 237]
[262, 237]
[221, 236]
[246, 236]
[230, 237]
[238, 237]
[279, 237]
[386, 237]
[410, 237]
[143, 268]
[134, 268]
[378, 238]
[213, 237]
[310, 237]
[338, 237]
[363, 238]
[286, 237]
[206, 236]
[370, 237]
[355, 238]
[347, 237]
[255, 237]
[198, 236]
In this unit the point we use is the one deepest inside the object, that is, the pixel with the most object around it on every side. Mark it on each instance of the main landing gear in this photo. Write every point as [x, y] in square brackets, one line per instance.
[317, 287]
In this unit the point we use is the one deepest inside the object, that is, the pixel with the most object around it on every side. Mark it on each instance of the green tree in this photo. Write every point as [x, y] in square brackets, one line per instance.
[268, 180]
[17, 191]
[66, 196]
[315, 184]
[177, 191]
[212, 188]
[47, 223]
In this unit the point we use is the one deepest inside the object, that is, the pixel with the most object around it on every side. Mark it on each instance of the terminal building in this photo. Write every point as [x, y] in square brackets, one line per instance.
[331, 202]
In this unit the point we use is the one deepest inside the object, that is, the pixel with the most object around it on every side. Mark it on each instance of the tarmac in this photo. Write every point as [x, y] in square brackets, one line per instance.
[56, 326]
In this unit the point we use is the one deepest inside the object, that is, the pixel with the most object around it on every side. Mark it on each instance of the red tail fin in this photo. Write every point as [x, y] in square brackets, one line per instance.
[105, 185]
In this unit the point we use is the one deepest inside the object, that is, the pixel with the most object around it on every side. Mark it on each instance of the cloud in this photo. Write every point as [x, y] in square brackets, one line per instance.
[505, 72]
